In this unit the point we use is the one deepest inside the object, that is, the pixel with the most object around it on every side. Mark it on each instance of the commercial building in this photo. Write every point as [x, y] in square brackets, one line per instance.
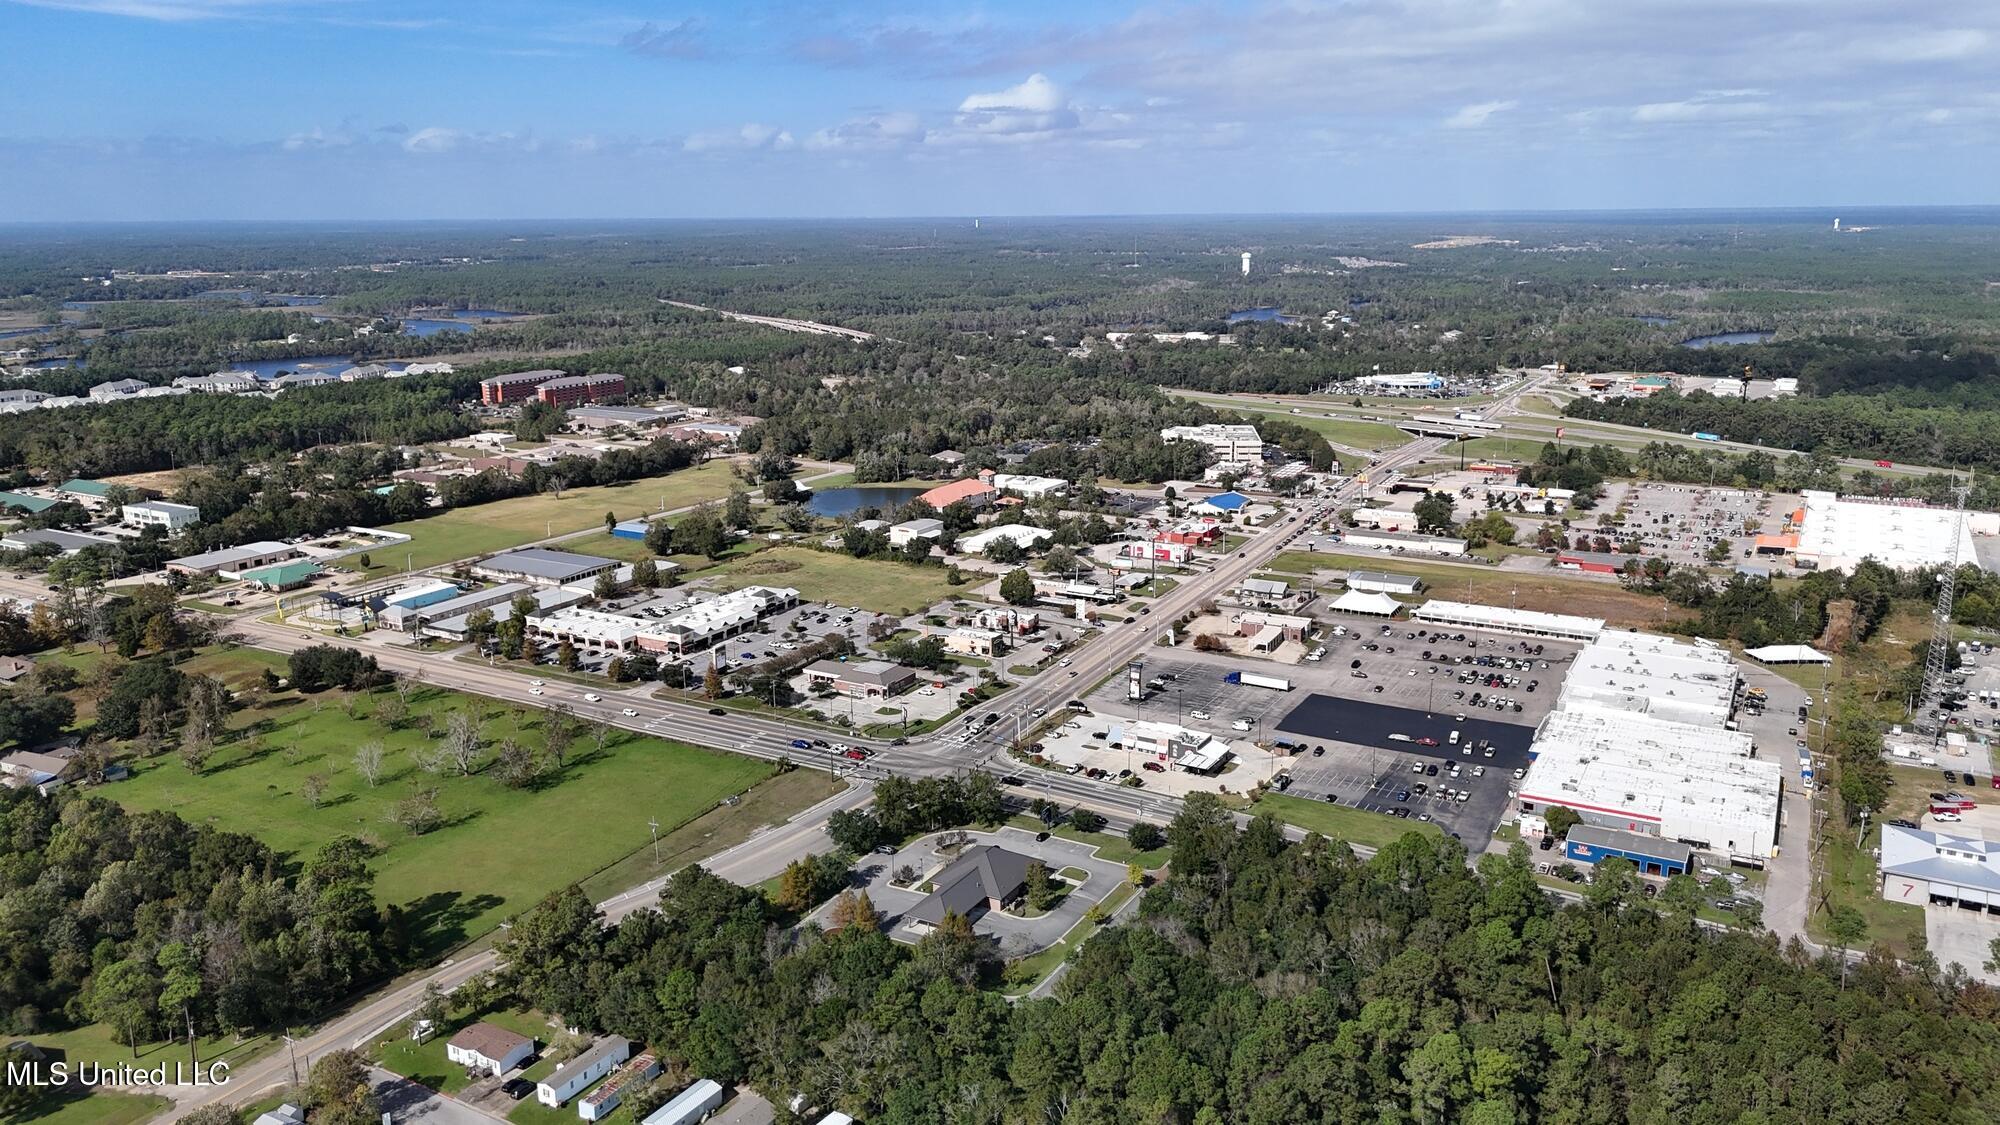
[863, 679]
[1008, 620]
[158, 513]
[117, 389]
[1595, 562]
[515, 386]
[1263, 590]
[1839, 531]
[231, 561]
[1289, 626]
[1020, 534]
[1526, 622]
[1156, 551]
[588, 629]
[1638, 773]
[1405, 383]
[581, 388]
[410, 618]
[89, 493]
[700, 624]
[22, 502]
[1640, 674]
[629, 417]
[1225, 442]
[1652, 855]
[282, 576]
[542, 566]
[982, 878]
[1946, 868]
[1171, 744]
[969, 640]
[975, 493]
[451, 621]
[1385, 519]
[901, 534]
[1404, 541]
[294, 380]
[1194, 533]
[1031, 487]
[424, 592]
[1380, 582]
[65, 542]
[1224, 503]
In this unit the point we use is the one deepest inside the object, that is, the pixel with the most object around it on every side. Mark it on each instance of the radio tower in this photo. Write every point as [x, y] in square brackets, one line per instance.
[1930, 706]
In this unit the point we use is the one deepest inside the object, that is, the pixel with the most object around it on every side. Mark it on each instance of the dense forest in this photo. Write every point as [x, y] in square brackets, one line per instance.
[1273, 983]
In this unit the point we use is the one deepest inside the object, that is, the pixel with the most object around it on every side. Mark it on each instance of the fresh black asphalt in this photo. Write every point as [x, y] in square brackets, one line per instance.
[1362, 723]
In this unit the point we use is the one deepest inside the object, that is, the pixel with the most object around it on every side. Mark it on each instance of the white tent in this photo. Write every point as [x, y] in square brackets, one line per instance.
[1787, 654]
[1374, 605]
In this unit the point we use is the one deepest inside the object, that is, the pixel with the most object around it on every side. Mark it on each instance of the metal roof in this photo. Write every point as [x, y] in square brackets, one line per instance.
[541, 562]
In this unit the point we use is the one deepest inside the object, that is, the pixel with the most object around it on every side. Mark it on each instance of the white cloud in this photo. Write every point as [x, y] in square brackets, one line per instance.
[875, 131]
[317, 138]
[433, 139]
[171, 11]
[747, 138]
[1475, 115]
[1035, 107]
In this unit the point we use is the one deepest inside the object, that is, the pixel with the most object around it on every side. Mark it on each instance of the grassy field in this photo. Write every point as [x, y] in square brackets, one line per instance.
[823, 576]
[500, 850]
[485, 528]
[1339, 822]
[1490, 586]
[1346, 431]
[99, 1108]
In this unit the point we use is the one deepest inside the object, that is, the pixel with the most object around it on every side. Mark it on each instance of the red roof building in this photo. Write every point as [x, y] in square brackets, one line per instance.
[975, 493]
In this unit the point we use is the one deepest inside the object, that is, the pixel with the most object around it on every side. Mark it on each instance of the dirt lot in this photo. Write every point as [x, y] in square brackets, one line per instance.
[163, 481]
[1469, 582]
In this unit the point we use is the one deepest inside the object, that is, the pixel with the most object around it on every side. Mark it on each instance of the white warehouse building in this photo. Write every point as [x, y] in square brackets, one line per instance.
[1679, 781]
[1026, 537]
[1226, 442]
[1840, 531]
[1031, 487]
[1527, 622]
[1638, 674]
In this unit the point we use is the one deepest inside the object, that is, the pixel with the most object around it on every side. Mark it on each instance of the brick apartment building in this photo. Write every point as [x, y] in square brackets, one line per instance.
[516, 386]
[581, 388]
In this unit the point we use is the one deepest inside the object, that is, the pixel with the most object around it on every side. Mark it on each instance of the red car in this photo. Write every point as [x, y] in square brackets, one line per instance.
[1427, 742]
[1885, 464]
[1152, 767]
[858, 755]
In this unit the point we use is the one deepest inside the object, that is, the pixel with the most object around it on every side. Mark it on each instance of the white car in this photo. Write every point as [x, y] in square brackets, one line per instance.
[1240, 724]
[629, 713]
[592, 697]
[1039, 712]
[1063, 663]
[536, 683]
[534, 691]
[1197, 714]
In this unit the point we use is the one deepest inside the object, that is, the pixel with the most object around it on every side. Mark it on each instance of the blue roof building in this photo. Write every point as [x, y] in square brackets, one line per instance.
[1228, 502]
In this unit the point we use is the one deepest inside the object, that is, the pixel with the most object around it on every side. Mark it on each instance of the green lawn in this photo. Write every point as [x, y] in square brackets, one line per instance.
[1111, 849]
[94, 1043]
[1022, 976]
[99, 1108]
[1367, 435]
[1339, 822]
[501, 849]
[823, 576]
[425, 1063]
[486, 528]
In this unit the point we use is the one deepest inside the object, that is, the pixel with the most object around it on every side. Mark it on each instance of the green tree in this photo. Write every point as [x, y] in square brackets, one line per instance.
[1017, 587]
[180, 989]
[339, 1092]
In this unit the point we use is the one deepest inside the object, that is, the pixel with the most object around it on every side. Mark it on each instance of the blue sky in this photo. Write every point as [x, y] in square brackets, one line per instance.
[203, 109]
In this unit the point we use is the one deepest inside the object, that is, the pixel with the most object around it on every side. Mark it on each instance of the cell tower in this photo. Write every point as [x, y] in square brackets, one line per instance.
[1930, 706]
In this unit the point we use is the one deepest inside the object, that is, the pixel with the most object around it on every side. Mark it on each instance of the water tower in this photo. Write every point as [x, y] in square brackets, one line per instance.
[1246, 263]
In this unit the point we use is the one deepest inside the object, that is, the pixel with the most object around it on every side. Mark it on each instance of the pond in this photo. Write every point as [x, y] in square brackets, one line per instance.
[1723, 339]
[1264, 312]
[836, 502]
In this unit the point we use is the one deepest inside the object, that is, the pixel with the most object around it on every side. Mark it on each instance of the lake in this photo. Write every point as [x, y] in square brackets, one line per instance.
[1723, 339]
[459, 320]
[1265, 313]
[836, 502]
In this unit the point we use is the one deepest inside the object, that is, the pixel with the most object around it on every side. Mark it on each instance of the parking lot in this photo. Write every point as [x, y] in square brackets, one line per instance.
[1681, 523]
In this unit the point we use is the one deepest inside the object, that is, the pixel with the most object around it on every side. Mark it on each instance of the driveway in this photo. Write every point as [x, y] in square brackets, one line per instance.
[404, 1100]
[1957, 935]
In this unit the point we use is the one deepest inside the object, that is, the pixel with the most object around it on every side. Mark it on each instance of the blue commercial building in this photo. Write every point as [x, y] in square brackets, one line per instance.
[631, 529]
[422, 594]
[1652, 855]
[1228, 501]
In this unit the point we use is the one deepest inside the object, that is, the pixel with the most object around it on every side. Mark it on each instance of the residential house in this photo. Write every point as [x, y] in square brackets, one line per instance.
[488, 1047]
[574, 1075]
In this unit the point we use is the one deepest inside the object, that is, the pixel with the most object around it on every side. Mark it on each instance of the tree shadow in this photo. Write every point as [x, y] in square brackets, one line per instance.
[443, 916]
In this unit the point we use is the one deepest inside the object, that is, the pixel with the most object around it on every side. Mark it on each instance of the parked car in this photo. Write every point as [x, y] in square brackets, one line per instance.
[1152, 767]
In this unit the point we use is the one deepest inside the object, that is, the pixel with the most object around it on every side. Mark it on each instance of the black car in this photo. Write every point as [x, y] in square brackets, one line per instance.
[1950, 778]
[1319, 751]
[1547, 843]
[1899, 822]
[1013, 780]
[1356, 664]
[518, 1088]
[717, 711]
[1430, 771]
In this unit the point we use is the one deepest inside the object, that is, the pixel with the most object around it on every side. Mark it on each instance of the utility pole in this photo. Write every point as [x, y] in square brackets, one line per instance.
[654, 824]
